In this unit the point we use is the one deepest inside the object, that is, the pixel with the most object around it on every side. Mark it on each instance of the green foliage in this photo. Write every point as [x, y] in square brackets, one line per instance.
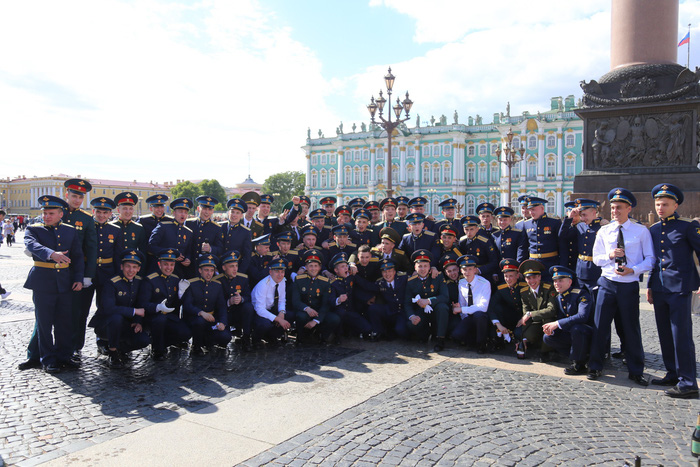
[206, 187]
[284, 186]
[185, 189]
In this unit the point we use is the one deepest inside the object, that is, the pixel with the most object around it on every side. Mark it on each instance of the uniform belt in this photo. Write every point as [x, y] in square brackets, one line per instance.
[544, 255]
[104, 260]
[41, 264]
[585, 258]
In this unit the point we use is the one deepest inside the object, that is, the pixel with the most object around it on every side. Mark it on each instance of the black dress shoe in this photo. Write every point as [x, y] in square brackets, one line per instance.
[481, 349]
[545, 357]
[576, 369]
[439, 345]
[52, 368]
[114, 361]
[639, 379]
[594, 374]
[619, 355]
[159, 355]
[676, 392]
[665, 381]
[102, 348]
[29, 364]
[70, 364]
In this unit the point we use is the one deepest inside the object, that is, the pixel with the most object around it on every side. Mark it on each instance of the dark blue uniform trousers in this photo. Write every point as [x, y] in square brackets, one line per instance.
[167, 331]
[263, 328]
[353, 321]
[203, 334]
[241, 316]
[576, 342]
[120, 335]
[386, 323]
[623, 298]
[675, 325]
[53, 327]
[472, 329]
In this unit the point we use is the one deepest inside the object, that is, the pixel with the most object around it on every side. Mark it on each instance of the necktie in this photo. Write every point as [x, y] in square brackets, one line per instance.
[470, 296]
[276, 301]
[620, 238]
[295, 232]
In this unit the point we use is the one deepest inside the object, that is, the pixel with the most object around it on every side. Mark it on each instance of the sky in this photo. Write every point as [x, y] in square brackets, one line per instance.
[158, 90]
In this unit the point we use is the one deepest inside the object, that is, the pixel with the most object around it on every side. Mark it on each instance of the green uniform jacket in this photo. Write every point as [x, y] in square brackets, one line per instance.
[541, 308]
[87, 235]
[315, 293]
[434, 289]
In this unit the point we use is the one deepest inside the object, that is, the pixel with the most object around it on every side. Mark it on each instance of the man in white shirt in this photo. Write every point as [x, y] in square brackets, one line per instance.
[474, 296]
[624, 250]
[270, 300]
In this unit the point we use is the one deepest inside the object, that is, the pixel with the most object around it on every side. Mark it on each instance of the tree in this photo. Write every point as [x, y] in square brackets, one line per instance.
[213, 188]
[186, 189]
[284, 186]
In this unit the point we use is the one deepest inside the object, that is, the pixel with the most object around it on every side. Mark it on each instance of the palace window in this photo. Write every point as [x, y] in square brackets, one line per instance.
[551, 168]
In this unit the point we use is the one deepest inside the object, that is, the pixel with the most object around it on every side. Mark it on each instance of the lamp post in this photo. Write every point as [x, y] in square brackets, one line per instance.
[316, 194]
[387, 124]
[431, 192]
[511, 156]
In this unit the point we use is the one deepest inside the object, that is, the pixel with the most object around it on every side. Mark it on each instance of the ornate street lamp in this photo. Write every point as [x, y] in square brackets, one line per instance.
[511, 156]
[387, 124]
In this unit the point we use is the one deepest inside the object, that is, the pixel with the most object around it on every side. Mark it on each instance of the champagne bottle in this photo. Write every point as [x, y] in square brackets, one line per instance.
[695, 442]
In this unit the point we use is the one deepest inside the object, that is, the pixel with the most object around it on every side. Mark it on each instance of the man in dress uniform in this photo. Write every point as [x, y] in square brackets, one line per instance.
[238, 299]
[510, 242]
[355, 204]
[291, 222]
[449, 211]
[343, 288]
[57, 273]
[120, 320]
[158, 295]
[505, 306]
[260, 260]
[474, 296]
[204, 308]
[133, 234]
[538, 309]
[237, 236]
[419, 237]
[175, 235]
[402, 208]
[451, 274]
[207, 235]
[328, 204]
[387, 315]
[568, 247]
[388, 207]
[672, 283]
[341, 243]
[269, 296]
[107, 257]
[446, 244]
[480, 246]
[156, 204]
[624, 250]
[305, 205]
[311, 300]
[252, 200]
[485, 213]
[323, 229]
[389, 238]
[524, 201]
[426, 301]
[375, 215]
[343, 215]
[309, 238]
[417, 206]
[542, 235]
[263, 215]
[290, 257]
[363, 234]
[570, 334]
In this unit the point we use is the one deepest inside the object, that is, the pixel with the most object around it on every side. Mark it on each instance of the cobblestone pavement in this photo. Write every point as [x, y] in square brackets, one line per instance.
[460, 414]
[43, 416]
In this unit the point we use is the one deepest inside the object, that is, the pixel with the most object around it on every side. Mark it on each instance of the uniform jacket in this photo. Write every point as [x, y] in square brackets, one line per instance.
[107, 257]
[433, 289]
[505, 303]
[85, 227]
[206, 232]
[119, 297]
[573, 307]
[207, 297]
[149, 222]
[340, 286]
[313, 292]
[543, 238]
[239, 283]
[584, 236]
[675, 239]
[541, 307]
[157, 287]
[170, 234]
[426, 240]
[511, 243]
[397, 256]
[237, 237]
[483, 247]
[42, 241]
[133, 237]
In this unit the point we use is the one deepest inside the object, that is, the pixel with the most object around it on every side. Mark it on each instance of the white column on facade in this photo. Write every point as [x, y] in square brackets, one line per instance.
[418, 173]
[32, 201]
[341, 173]
[402, 162]
[559, 205]
[307, 188]
[372, 164]
[560, 154]
[540, 155]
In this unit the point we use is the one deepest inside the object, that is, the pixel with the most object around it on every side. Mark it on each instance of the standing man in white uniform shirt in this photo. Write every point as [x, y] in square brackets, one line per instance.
[624, 250]
[270, 304]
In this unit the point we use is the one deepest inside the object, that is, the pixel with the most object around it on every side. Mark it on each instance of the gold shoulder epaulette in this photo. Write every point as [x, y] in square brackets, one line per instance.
[332, 244]
[166, 222]
[135, 222]
[293, 252]
[195, 279]
[116, 279]
[482, 238]
[575, 290]
[515, 230]
[400, 252]
[302, 276]
[153, 275]
[522, 284]
[175, 276]
[242, 275]
[413, 277]
[216, 280]
[191, 219]
[400, 273]
[502, 286]
[137, 277]
[322, 278]
[248, 229]
[352, 245]
[685, 219]
[219, 276]
[429, 233]
[546, 286]
[374, 259]
[524, 289]
[85, 212]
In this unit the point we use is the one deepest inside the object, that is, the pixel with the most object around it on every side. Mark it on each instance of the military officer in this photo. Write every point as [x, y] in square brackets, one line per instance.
[252, 200]
[524, 201]
[363, 234]
[311, 300]
[474, 296]
[328, 203]
[207, 236]
[402, 208]
[343, 215]
[290, 257]
[272, 319]
[510, 242]
[263, 215]
[672, 283]
[238, 299]
[387, 315]
[451, 275]
[417, 206]
[389, 238]
[355, 204]
[343, 287]
[323, 229]
[292, 223]
[156, 204]
[309, 239]
[57, 273]
[480, 246]
[305, 204]
[133, 234]
[260, 260]
[120, 320]
[341, 242]
[158, 296]
[419, 237]
[570, 333]
[624, 250]
[388, 208]
[568, 247]
[542, 235]
[204, 308]
[538, 309]
[237, 236]
[485, 213]
[176, 235]
[584, 233]
[374, 211]
[446, 244]
[505, 306]
[426, 301]
[449, 211]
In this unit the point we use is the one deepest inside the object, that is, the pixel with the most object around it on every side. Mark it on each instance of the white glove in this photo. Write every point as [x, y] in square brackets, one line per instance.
[161, 308]
[506, 336]
[182, 286]
[87, 282]
[428, 309]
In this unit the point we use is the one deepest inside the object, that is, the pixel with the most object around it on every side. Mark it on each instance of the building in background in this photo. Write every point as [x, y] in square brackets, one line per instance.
[442, 160]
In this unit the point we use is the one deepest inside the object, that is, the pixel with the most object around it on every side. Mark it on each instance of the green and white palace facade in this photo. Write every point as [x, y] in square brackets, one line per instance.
[453, 160]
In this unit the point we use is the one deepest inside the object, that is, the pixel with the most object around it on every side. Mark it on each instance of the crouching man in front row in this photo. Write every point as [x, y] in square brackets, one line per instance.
[204, 308]
[570, 334]
[311, 299]
[118, 320]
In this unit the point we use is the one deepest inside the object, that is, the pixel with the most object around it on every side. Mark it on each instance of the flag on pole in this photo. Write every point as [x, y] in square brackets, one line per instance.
[685, 40]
